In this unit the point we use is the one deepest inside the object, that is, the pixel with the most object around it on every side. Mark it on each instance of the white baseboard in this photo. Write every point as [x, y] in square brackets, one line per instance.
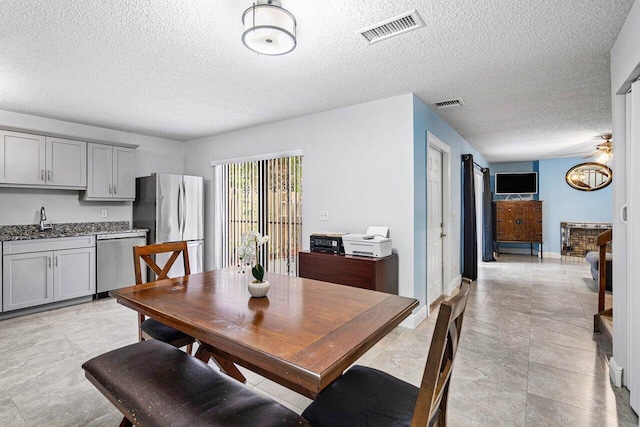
[552, 255]
[415, 319]
[454, 284]
[615, 372]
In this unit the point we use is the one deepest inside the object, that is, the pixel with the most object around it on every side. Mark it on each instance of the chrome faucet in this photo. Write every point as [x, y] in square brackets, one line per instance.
[43, 218]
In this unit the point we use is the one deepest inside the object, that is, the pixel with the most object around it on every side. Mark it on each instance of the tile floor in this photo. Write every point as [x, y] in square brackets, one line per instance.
[527, 356]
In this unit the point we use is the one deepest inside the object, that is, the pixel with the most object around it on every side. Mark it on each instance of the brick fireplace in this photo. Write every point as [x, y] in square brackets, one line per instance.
[578, 238]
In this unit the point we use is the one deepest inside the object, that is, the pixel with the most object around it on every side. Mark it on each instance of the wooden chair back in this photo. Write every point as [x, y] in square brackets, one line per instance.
[434, 389]
[145, 254]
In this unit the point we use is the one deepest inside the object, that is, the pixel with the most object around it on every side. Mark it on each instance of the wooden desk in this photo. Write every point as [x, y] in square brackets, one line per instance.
[303, 335]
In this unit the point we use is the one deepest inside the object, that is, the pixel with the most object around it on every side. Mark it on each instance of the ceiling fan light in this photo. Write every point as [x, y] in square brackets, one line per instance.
[604, 158]
[269, 29]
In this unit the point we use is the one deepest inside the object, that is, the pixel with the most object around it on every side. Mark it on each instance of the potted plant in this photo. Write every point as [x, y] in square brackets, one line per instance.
[248, 252]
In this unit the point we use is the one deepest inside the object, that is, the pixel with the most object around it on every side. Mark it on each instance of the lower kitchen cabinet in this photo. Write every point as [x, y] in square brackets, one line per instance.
[74, 273]
[37, 272]
[27, 280]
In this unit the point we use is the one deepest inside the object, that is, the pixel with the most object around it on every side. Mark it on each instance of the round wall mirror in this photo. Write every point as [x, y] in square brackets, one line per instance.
[589, 176]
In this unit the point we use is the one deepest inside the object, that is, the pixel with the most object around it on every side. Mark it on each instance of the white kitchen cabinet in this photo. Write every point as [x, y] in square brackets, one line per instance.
[66, 161]
[37, 272]
[22, 158]
[110, 173]
[39, 161]
[27, 280]
[74, 273]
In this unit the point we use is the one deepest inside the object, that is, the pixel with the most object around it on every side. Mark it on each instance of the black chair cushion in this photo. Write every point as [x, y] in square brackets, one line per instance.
[161, 332]
[363, 397]
[158, 385]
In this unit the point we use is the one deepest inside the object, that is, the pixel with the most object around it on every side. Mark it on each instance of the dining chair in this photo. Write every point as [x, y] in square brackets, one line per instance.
[150, 328]
[364, 396]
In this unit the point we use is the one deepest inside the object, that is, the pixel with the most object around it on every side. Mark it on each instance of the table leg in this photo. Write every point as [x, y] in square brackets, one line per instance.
[225, 366]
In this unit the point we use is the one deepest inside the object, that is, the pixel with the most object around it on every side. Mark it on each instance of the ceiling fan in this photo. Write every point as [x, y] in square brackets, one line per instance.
[603, 151]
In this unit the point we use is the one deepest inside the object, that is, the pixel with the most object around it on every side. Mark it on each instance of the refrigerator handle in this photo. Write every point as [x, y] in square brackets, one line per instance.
[184, 208]
[179, 208]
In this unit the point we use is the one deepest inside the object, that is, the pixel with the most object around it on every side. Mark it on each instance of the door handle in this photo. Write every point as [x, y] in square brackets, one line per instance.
[49, 176]
[110, 189]
[56, 260]
[623, 213]
[49, 260]
[442, 235]
[115, 190]
[42, 175]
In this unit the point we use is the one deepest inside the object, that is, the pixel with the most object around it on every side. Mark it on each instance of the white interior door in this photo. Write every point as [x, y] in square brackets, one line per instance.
[434, 225]
[479, 190]
[633, 245]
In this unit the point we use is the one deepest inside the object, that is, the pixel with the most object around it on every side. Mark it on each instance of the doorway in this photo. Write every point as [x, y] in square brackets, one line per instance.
[438, 213]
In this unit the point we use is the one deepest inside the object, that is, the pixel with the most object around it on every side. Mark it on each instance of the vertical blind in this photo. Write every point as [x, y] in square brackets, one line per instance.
[266, 196]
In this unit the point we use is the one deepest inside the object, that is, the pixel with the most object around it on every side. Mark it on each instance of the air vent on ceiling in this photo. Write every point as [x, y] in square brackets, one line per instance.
[392, 27]
[450, 103]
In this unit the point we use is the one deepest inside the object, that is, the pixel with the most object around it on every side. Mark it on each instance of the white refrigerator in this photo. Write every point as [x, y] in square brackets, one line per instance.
[172, 208]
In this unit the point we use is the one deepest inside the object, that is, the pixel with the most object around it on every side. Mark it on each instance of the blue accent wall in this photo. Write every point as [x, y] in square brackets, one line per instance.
[564, 203]
[426, 120]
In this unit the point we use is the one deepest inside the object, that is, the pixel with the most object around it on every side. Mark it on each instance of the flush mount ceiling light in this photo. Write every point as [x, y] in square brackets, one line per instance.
[269, 29]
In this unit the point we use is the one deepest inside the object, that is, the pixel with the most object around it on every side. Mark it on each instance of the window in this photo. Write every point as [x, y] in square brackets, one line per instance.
[263, 195]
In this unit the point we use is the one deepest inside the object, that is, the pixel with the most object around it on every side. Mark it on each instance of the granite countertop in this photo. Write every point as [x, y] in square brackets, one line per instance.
[32, 231]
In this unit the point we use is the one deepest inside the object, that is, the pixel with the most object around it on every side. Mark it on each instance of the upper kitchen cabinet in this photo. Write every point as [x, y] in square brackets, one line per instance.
[66, 163]
[22, 158]
[37, 161]
[110, 173]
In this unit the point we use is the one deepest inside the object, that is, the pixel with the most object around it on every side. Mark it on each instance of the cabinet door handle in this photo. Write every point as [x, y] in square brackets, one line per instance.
[49, 259]
[110, 189]
[56, 260]
[49, 176]
[42, 175]
[115, 191]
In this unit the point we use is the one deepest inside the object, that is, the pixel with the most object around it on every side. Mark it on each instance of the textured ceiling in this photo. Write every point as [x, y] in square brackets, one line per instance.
[534, 74]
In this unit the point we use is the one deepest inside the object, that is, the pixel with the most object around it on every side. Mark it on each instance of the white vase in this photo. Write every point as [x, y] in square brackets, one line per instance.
[258, 289]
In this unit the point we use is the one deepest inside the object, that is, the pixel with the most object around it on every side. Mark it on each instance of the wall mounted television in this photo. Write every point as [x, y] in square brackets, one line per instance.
[516, 183]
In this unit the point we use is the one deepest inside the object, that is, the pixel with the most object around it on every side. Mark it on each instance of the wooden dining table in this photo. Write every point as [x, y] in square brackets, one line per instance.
[304, 334]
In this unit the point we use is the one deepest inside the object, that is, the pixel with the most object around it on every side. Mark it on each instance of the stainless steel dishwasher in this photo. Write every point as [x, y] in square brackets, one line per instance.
[114, 259]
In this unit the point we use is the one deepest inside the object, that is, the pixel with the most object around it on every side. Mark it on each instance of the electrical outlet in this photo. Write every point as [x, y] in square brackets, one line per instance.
[104, 213]
[324, 215]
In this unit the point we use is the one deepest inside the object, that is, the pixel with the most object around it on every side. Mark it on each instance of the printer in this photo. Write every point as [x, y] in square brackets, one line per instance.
[374, 243]
[328, 243]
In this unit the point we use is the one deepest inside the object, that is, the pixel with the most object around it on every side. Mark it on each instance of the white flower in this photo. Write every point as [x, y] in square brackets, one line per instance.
[249, 243]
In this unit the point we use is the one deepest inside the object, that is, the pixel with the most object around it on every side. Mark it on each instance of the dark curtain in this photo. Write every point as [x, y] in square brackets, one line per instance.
[487, 219]
[469, 239]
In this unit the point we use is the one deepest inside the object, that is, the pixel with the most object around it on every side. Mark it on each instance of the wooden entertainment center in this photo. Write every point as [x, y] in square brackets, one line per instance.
[518, 222]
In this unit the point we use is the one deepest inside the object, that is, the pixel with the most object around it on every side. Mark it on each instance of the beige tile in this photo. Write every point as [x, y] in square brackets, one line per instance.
[588, 362]
[477, 403]
[9, 414]
[546, 328]
[543, 412]
[583, 391]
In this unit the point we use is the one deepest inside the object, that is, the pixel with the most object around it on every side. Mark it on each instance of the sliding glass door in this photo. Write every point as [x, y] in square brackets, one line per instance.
[266, 196]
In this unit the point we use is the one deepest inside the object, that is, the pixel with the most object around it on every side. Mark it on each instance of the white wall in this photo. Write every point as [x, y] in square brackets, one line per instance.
[20, 206]
[358, 165]
[625, 67]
